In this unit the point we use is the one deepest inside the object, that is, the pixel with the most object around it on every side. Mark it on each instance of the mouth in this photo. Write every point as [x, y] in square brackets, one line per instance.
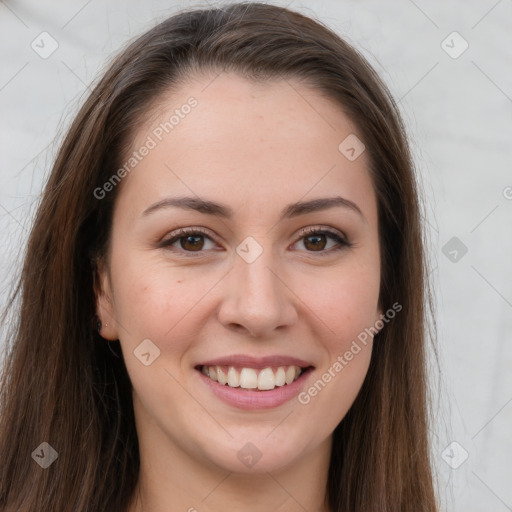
[254, 379]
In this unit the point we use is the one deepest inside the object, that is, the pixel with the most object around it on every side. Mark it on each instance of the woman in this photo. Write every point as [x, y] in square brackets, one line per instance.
[224, 294]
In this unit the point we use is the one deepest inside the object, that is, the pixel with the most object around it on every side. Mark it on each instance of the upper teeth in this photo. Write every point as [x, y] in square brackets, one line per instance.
[250, 378]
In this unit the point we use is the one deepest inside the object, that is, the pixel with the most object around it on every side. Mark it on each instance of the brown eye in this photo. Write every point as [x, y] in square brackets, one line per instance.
[188, 241]
[316, 240]
[191, 242]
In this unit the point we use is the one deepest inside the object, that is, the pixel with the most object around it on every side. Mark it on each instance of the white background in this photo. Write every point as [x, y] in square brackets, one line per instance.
[458, 111]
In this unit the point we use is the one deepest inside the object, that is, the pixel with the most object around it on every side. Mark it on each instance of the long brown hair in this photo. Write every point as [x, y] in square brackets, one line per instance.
[64, 385]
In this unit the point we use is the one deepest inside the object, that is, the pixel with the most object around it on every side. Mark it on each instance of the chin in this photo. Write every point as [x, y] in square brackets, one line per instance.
[257, 455]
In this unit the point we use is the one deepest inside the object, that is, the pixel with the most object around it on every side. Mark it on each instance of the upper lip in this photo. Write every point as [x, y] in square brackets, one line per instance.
[246, 361]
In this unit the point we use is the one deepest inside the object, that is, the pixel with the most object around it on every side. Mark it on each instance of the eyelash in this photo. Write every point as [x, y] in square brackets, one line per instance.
[184, 232]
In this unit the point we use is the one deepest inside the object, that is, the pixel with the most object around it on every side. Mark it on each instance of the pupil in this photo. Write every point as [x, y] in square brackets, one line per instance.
[194, 245]
[317, 243]
[317, 237]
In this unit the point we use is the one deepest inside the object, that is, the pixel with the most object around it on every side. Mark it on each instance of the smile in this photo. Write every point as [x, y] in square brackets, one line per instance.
[251, 378]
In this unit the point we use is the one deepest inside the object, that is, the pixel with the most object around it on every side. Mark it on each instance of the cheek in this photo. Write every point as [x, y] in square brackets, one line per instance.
[347, 307]
[157, 304]
[336, 387]
[152, 300]
[345, 301]
[347, 304]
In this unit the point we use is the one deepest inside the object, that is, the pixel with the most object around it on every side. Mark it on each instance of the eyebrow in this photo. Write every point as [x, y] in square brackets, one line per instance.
[292, 210]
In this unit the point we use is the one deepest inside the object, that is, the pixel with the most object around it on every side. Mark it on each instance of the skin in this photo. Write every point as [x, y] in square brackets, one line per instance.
[255, 148]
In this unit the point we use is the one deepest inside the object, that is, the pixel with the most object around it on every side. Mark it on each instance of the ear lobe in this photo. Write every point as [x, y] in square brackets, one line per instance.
[104, 302]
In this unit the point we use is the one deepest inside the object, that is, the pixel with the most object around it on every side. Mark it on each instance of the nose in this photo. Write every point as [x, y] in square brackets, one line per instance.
[257, 298]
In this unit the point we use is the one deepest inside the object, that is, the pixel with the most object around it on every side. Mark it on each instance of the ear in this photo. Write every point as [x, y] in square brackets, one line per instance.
[104, 301]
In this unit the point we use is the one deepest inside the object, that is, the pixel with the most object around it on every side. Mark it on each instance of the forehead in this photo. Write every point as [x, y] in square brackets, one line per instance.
[262, 144]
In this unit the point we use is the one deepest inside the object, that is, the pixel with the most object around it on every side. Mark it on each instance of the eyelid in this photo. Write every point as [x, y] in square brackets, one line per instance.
[186, 231]
[174, 236]
[325, 229]
[341, 239]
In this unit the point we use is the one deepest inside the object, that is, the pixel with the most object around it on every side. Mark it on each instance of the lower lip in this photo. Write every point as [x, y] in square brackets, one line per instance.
[251, 400]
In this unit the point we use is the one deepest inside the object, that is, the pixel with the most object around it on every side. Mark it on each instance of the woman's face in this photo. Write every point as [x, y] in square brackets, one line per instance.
[260, 166]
